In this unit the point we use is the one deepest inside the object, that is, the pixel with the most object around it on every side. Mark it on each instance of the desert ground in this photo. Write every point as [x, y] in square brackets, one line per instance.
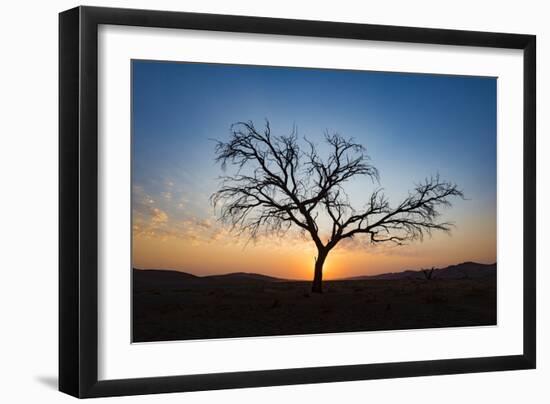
[169, 305]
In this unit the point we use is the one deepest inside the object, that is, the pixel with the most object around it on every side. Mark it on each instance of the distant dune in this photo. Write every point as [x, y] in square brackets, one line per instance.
[160, 278]
[244, 276]
[165, 278]
[466, 270]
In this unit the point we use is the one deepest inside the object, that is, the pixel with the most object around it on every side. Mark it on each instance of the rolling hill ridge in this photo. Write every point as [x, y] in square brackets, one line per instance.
[173, 278]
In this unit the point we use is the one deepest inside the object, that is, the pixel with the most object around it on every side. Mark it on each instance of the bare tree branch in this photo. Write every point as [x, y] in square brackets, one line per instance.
[414, 217]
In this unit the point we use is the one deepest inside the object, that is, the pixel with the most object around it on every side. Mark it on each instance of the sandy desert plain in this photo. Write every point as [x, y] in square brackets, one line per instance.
[171, 305]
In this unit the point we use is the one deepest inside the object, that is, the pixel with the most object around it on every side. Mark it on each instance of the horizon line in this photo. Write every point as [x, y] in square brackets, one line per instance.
[306, 279]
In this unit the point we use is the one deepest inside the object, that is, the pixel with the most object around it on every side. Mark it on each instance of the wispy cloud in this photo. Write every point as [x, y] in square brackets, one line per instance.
[170, 218]
[151, 218]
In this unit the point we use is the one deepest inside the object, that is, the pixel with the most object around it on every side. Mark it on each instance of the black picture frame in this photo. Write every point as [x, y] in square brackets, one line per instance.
[78, 201]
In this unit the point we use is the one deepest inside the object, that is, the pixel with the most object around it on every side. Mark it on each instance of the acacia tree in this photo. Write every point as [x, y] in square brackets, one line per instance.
[280, 182]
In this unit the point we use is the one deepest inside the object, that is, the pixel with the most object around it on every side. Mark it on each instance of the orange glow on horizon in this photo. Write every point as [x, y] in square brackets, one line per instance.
[293, 257]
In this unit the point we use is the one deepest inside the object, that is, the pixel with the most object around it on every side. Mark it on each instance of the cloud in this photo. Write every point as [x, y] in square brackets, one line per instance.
[150, 220]
[140, 198]
[158, 216]
[171, 215]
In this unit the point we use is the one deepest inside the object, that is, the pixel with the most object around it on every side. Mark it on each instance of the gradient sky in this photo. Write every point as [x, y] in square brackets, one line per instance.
[412, 125]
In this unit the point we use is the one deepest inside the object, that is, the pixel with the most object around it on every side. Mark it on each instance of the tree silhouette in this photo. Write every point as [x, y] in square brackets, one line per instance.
[281, 182]
[428, 273]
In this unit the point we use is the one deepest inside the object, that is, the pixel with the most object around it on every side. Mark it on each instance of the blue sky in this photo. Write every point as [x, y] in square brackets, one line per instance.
[413, 126]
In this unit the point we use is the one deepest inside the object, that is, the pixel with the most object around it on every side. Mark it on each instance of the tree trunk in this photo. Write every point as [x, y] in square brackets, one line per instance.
[317, 286]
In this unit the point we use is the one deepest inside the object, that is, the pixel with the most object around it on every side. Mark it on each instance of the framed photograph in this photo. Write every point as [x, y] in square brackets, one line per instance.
[251, 201]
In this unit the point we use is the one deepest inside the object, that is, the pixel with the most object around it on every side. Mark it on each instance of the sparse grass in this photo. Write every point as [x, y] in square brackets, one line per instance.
[289, 308]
